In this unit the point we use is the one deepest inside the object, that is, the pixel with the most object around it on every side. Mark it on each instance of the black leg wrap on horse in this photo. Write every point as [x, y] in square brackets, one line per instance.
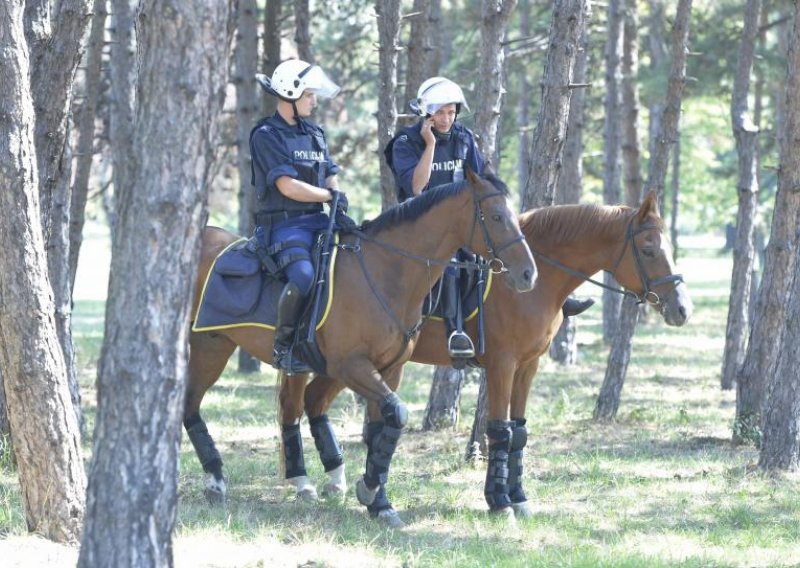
[203, 445]
[330, 452]
[496, 488]
[519, 438]
[381, 502]
[293, 450]
[383, 446]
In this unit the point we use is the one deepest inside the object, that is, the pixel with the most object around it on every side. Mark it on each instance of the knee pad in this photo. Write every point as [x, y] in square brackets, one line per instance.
[301, 273]
[394, 412]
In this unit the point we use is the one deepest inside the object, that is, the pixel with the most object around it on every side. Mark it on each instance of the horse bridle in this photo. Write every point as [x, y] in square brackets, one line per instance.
[649, 294]
[479, 217]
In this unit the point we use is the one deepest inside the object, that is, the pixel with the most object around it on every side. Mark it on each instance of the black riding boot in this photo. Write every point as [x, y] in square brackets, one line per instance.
[573, 306]
[289, 306]
[459, 345]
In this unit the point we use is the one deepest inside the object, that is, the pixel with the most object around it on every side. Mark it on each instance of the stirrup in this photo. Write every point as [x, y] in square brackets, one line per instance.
[466, 350]
[282, 360]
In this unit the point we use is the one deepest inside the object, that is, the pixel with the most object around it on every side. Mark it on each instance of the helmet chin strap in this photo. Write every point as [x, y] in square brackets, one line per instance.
[301, 122]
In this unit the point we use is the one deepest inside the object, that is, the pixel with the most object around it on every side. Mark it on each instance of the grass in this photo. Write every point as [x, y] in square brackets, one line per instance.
[660, 486]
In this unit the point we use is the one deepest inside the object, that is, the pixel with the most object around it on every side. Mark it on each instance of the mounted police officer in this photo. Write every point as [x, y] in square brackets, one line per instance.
[435, 151]
[432, 152]
[293, 175]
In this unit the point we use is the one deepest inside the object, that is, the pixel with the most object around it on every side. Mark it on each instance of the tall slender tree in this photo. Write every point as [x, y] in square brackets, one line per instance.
[745, 132]
[388, 12]
[766, 332]
[780, 447]
[182, 74]
[608, 400]
[44, 428]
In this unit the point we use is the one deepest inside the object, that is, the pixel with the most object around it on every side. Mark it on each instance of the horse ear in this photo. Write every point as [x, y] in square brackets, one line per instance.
[649, 205]
[472, 176]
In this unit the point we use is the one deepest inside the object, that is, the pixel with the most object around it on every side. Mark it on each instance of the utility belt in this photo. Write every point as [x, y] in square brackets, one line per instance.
[264, 219]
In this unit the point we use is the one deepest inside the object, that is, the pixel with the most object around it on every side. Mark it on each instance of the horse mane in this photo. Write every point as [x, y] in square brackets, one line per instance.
[413, 209]
[566, 223]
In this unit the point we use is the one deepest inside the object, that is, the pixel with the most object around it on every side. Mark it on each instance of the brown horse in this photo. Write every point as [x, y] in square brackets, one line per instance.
[570, 242]
[382, 275]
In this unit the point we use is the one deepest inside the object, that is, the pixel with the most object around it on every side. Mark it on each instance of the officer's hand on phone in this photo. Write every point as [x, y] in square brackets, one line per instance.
[426, 131]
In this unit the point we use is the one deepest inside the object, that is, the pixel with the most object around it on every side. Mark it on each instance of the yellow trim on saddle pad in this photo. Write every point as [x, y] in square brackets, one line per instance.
[474, 312]
[258, 324]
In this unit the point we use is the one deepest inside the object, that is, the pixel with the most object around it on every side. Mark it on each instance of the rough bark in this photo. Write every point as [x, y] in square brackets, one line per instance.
[132, 495]
[388, 12]
[745, 132]
[246, 66]
[418, 49]
[271, 49]
[632, 181]
[489, 92]
[440, 41]
[477, 445]
[766, 334]
[442, 410]
[122, 70]
[608, 399]
[612, 145]
[44, 429]
[302, 32]
[675, 193]
[524, 102]
[564, 347]
[551, 124]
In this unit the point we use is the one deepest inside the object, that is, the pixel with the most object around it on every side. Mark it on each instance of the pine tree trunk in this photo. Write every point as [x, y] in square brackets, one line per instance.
[44, 429]
[271, 49]
[388, 12]
[766, 336]
[442, 410]
[477, 447]
[418, 50]
[302, 33]
[745, 132]
[547, 148]
[132, 495]
[246, 66]
[608, 401]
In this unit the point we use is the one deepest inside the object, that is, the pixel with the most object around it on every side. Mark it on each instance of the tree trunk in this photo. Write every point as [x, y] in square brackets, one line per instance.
[781, 443]
[302, 34]
[418, 50]
[122, 68]
[44, 430]
[564, 347]
[132, 495]
[246, 65]
[477, 446]
[489, 92]
[85, 126]
[618, 358]
[745, 132]
[524, 103]
[612, 145]
[442, 410]
[388, 12]
[766, 335]
[608, 401]
[271, 49]
[547, 147]
[676, 190]
[440, 41]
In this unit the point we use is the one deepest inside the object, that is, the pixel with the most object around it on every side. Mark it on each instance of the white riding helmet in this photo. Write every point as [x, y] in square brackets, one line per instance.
[291, 78]
[436, 92]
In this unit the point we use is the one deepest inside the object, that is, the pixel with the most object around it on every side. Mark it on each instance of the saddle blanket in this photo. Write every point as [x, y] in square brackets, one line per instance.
[239, 293]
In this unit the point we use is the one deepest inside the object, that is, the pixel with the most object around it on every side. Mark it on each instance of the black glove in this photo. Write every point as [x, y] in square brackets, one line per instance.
[342, 204]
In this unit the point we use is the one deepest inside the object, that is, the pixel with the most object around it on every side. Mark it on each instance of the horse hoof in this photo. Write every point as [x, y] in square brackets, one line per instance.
[390, 518]
[214, 496]
[334, 490]
[307, 494]
[522, 510]
[364, 494]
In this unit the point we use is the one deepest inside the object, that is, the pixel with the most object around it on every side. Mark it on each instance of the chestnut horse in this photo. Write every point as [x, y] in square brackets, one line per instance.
[382, 276]
[570, 243]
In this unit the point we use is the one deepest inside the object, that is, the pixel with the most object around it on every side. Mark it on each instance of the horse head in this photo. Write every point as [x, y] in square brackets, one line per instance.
[646, 268]
[502, 240]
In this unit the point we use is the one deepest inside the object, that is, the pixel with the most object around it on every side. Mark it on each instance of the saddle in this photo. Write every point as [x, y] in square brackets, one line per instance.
[242, 290]
[470, 283]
